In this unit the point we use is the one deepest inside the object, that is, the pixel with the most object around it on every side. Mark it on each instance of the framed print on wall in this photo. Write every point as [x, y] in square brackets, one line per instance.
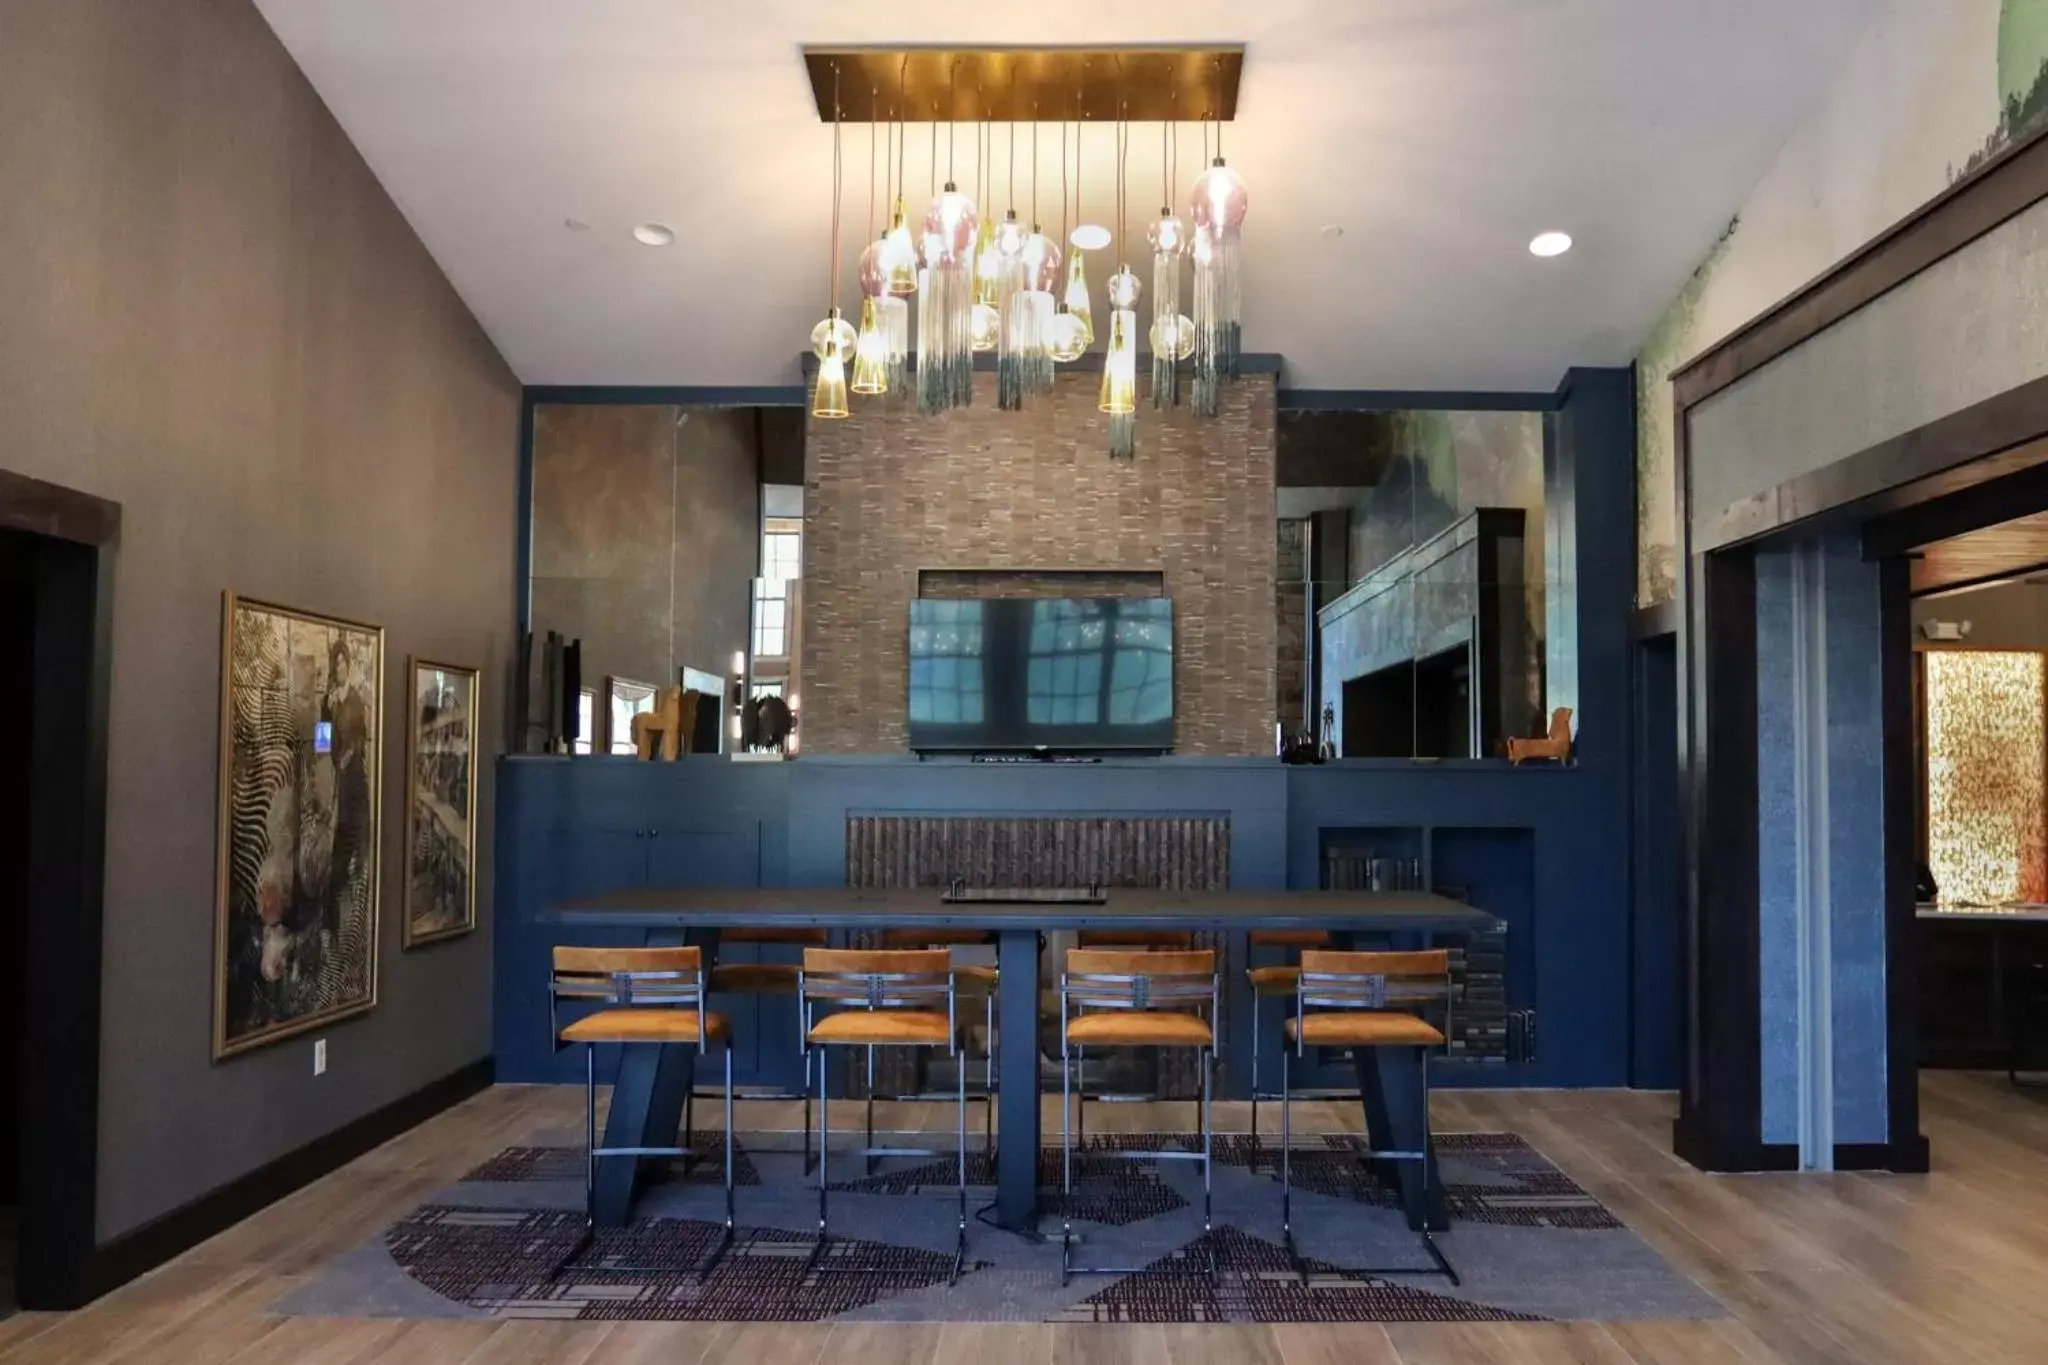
[440, 801]
[297, 880]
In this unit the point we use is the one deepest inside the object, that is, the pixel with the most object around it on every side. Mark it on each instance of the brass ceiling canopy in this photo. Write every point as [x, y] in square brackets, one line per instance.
[1026, 84]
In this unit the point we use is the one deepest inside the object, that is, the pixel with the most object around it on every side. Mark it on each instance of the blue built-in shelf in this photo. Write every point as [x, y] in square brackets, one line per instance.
[1544, 848]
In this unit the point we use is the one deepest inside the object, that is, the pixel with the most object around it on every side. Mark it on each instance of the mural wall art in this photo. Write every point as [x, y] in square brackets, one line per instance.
[301, 742]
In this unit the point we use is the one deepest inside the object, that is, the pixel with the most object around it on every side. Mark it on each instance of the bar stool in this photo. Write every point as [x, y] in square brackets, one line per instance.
[1355, 999]
[970, 978]
[651, 996]
[1148, 940]
[880, 998]
[1273, 980]
[1139, 998]
[767, 979]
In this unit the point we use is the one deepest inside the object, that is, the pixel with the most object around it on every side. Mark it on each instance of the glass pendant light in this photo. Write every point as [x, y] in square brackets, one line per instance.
[828, 400]
[1069, 337]
[988, 291]
[833, 339]
[871, 352]
[1168, 238]
[899, 252]
[945, 340]
[1217, 207]
[1076, 297]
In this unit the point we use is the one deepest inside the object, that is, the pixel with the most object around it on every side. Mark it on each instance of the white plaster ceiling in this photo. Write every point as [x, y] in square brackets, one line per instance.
[1441, 135]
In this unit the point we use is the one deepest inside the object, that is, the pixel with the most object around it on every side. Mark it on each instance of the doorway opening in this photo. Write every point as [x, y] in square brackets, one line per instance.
[17, 704]
[56, 621]
[1980, 768]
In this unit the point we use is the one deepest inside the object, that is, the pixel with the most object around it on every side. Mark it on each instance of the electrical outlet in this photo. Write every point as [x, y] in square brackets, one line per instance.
[319, 1056]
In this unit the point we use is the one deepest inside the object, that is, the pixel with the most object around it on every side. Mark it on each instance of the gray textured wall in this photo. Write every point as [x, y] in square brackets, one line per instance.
[1965, 329]
[891, 492]
[2008, 616]
[215, 317]
[646, 535]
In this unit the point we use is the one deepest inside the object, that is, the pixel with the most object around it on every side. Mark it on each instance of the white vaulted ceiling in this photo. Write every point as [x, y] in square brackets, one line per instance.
[1440, 135]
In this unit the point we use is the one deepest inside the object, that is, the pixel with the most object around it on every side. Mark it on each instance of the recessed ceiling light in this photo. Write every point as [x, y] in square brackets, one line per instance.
[575, 225]
[1332, 231]
[654, 234]
[1550, 244]
[1090, 237]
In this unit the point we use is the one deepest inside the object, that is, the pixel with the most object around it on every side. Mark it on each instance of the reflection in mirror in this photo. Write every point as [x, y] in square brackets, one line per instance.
[1412, 582]
[668, 539]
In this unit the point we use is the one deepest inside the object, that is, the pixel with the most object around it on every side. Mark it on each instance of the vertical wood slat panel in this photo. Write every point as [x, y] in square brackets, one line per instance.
[1179, 853]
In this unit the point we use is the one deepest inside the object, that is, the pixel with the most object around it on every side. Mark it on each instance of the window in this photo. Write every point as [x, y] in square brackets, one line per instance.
[628, 699]
[586, 720]
[782, 549]
[945, 664]
[766, 689]
[781, 562]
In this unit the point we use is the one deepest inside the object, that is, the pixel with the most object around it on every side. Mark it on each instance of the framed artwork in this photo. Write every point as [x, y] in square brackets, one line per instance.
[297, 880]
[625, 699]
[440, 801]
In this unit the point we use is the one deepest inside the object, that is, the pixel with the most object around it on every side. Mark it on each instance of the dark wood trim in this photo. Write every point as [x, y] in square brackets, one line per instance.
[1988, 441]
[47, 509]
[1657, 619]
[1970, 507]
[1720, 1099]
[2009, 185]
[1901, 852]
[1907, 1158]
[157, 1241]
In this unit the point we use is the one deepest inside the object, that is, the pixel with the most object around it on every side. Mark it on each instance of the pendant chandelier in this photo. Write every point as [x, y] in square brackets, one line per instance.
[987, 282]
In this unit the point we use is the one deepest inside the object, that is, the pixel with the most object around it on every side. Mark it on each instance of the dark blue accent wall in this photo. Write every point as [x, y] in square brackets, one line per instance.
[1546, 848]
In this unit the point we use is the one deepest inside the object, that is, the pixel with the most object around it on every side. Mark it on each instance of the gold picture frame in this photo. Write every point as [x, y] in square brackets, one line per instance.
[299, 873]
[438, 899]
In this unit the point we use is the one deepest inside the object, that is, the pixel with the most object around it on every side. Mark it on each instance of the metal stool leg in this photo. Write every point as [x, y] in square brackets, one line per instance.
[867, 1160]
[1066, 1162]
[1081, 1100]
[1255, 1076]
[824, 1148]
[1429, 1174]
[988, 1080]
[960, 1117]
[1287, 1162]
[807, 1111]
[1208, 1130]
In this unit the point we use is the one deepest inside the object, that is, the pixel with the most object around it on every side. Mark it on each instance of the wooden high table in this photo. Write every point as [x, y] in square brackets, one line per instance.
[647, 1101]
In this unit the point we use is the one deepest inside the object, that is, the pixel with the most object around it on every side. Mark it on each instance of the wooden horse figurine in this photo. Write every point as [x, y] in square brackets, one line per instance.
[1556, 745]
[664, 732]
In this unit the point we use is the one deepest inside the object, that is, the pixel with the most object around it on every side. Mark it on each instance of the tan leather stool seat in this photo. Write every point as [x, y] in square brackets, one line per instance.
[642, 1026]
[1364, 1028]
[1140, 1028]
[1273, 980]
[920, 1028]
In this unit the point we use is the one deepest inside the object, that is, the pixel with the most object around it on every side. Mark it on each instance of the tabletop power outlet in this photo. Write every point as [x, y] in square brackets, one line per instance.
[319, 1056]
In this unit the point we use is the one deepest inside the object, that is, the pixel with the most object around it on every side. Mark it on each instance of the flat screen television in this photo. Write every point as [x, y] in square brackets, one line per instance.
[1066, 675]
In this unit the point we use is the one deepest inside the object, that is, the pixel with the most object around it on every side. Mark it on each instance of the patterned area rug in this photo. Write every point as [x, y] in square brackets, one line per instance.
[1529, 1244]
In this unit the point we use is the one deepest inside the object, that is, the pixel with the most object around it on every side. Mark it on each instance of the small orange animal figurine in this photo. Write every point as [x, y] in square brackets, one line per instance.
[1556, 745]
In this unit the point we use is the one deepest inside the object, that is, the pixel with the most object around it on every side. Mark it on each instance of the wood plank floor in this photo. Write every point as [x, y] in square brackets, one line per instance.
[1950, 1267]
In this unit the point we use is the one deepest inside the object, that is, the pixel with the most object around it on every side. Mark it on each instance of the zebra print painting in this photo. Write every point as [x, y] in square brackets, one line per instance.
[440, 810]
[301, 760]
